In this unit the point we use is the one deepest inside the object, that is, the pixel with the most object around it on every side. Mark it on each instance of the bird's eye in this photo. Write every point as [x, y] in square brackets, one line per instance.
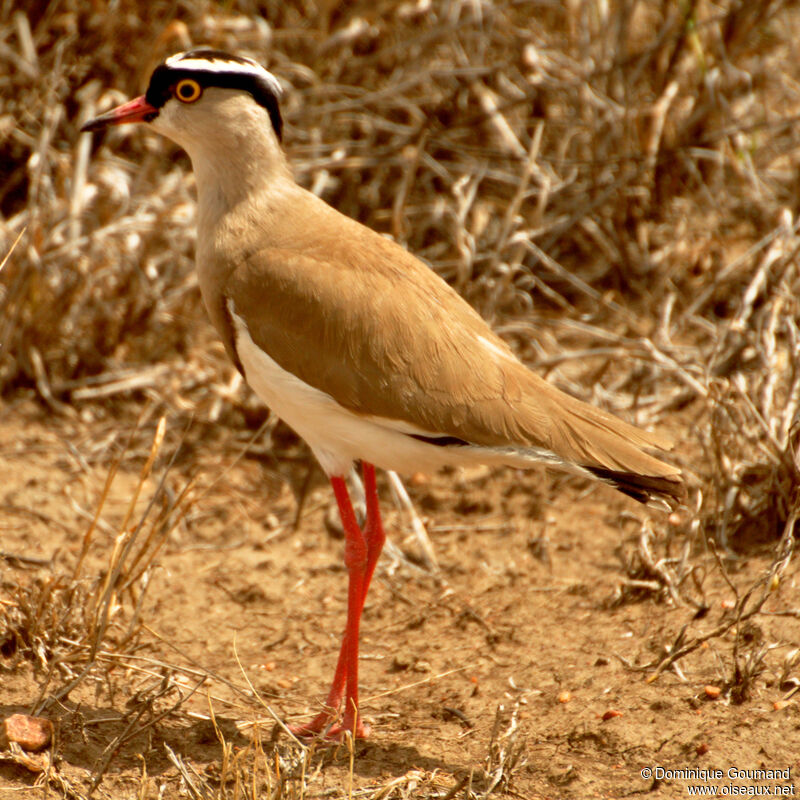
[187, 90]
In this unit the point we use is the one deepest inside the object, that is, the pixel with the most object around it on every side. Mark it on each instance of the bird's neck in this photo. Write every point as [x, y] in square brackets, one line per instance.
[241, 198]
[249, 169]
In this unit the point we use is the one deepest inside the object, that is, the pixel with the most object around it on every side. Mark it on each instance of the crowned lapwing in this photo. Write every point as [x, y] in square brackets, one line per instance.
[355, 343]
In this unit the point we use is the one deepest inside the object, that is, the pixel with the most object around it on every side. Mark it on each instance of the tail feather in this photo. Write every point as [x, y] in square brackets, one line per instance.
[655, 490]
[605, 446]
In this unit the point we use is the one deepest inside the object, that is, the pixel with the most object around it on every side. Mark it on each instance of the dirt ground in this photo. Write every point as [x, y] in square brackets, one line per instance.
[524, 662]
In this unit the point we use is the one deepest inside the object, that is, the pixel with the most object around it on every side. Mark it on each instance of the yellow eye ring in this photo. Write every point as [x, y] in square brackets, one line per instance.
[187, 90]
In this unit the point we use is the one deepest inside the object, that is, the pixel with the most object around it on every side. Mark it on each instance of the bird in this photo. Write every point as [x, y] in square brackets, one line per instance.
[354, 342]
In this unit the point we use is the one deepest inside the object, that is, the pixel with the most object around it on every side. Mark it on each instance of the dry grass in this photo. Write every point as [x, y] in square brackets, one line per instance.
[615, 190]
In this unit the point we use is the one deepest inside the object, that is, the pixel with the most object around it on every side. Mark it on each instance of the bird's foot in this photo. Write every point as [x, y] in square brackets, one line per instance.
[325, 726]
[339, 733]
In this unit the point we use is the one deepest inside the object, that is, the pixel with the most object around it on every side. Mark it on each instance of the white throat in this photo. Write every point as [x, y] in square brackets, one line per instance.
[235, 152]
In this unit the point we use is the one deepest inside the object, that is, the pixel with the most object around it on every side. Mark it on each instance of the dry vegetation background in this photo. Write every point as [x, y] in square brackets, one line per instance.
[615, 186]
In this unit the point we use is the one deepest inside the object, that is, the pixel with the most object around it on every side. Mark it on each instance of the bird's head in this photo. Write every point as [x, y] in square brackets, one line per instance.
[203, 95]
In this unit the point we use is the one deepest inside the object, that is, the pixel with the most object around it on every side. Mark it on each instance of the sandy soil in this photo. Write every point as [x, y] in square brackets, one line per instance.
[526, 631]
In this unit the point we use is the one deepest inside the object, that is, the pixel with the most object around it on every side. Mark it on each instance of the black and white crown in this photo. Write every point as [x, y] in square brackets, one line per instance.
[216, 68]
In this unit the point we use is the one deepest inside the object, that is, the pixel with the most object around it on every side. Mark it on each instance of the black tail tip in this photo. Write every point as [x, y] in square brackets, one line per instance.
[649, 489]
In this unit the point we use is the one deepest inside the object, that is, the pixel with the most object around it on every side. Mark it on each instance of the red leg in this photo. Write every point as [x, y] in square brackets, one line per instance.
[362, 550]
[373, 530]
[374, 538]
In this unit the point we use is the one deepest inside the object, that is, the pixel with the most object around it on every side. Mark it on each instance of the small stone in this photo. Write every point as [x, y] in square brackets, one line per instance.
[30, 733]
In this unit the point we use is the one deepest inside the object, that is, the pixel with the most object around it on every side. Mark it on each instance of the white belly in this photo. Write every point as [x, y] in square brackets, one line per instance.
[338, 436]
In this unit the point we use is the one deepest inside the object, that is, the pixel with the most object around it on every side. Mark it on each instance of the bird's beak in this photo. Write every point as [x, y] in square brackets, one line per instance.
[138, 110]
